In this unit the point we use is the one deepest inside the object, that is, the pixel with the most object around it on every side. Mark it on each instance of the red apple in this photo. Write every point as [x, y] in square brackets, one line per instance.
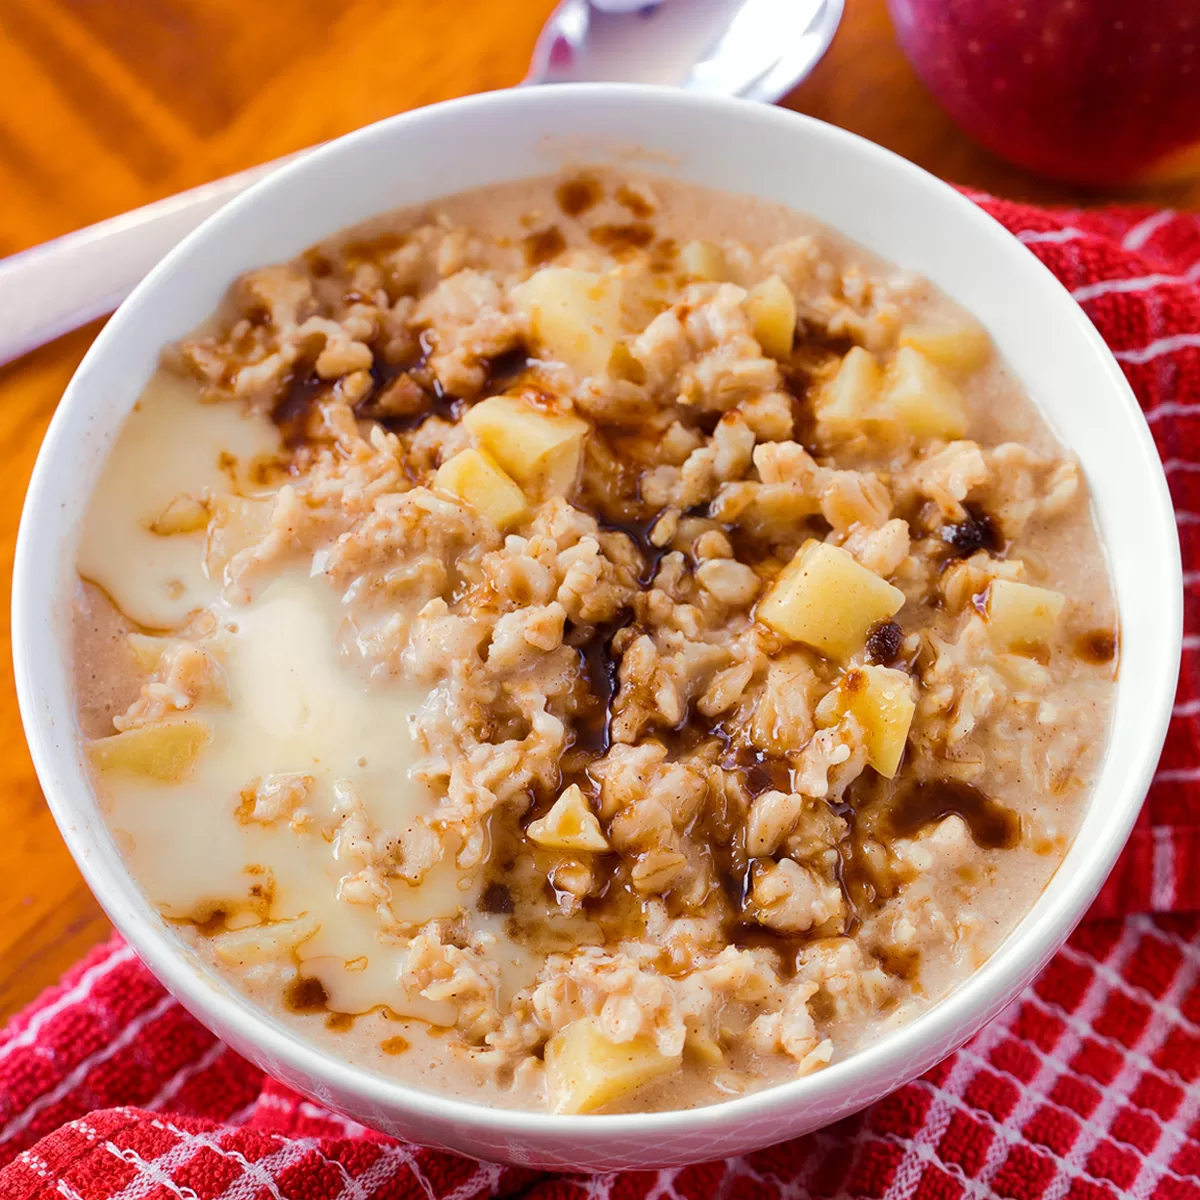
[1093, 91]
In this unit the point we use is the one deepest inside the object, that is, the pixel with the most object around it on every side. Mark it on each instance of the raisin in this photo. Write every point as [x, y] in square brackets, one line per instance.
[976, 533]
[883, 642]
[496, 898]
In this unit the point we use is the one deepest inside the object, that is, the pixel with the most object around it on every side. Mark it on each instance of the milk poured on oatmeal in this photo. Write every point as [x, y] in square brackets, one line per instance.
[594, 645]
[283, 703]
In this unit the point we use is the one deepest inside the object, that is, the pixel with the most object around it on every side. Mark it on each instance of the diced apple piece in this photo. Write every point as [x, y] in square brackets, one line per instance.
[622, 364]
[704, 260]
[586, 1071]
[956, 346]
[263, 943]
[569, 825]
[643, 296]
[772, 312]
[922, 399]
[574, 316]
[540, 450]
[147, 650]
[185, 514]
[827, 600]
[1022, 618]
[704, 1048]
[237, 522]
[881, 700]
[476, 478]
[850, 396]
[165, 751]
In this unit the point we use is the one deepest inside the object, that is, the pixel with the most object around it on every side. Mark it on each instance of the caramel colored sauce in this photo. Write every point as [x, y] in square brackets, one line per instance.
[992, 826]
[1038, 651]
[818, 337]
[787, 946]
[903, 964]
[634, 201]
[638, 531]
[797, 384]
[620, 239]
[406, 395]
[542, 245]
[373, 248]
[579, 193]
[764, 773]
[394, 1045]
[1098, 646]
[211, 923]
[600, 665]
[664, 254]
[296, 403]
[505, 369]
[496, 898]
[306, 994]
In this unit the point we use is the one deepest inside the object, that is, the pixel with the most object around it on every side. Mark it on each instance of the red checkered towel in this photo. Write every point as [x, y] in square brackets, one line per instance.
[1087, 1086]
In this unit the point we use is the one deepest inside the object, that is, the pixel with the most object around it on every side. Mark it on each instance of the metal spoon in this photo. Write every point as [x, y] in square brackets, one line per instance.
[757, 49]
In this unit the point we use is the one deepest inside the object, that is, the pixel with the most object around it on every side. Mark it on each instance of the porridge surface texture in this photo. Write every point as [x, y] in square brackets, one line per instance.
[592, 643]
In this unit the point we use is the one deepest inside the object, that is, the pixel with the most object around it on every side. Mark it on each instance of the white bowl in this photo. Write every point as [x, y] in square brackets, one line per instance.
[872, 196]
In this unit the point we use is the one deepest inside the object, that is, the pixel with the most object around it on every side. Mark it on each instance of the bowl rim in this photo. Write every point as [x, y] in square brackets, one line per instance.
[1024, 950]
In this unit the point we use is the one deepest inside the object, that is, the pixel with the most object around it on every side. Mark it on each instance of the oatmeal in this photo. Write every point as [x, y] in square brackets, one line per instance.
[591, 644]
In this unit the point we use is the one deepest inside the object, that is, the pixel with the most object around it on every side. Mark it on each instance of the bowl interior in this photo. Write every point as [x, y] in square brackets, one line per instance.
[869, 195]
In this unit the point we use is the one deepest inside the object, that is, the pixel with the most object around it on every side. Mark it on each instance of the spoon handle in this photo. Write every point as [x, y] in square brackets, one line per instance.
[712, 45]
[50, 289]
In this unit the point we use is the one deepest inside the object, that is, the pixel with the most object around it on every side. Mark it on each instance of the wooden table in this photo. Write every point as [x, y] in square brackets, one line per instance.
[107, 104]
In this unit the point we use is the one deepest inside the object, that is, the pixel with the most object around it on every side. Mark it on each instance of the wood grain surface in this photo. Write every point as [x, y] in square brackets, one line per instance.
[108, 104]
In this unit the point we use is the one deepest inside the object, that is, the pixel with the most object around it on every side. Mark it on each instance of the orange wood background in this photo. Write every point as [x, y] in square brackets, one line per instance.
[108, 104]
